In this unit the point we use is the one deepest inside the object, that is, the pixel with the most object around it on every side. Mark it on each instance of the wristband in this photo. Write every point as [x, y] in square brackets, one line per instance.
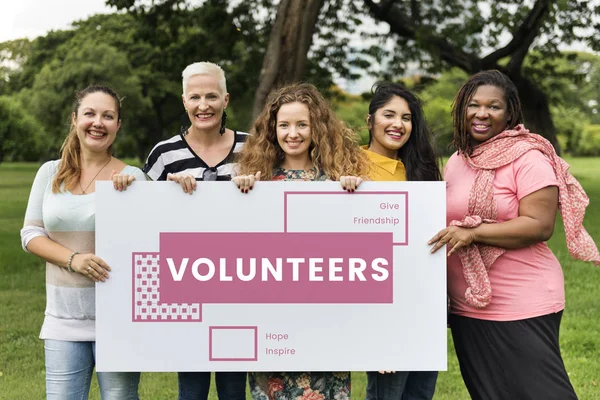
[70, 261]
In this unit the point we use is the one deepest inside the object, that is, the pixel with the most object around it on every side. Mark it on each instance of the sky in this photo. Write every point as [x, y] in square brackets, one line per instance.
[32, 18]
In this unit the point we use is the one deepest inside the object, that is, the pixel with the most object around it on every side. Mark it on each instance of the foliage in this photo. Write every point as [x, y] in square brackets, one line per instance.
[13, 53]
[56, 83]
[570, 123]
[438, 35]
[22, 138]
[589, 143]
[353, 110]
[141, 54]
[142, 51]
[437, 100]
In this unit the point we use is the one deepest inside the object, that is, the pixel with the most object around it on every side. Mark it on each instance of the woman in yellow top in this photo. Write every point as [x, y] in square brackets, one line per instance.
[399, 149]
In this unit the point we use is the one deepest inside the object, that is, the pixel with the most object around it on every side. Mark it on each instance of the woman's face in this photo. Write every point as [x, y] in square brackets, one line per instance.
[391, 126]
[204, 102]
[486, 113]
[293, 130]
[97, 121]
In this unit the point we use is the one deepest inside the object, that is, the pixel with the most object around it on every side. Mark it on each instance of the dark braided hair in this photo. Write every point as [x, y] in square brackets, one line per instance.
[417, 153]
[462, 137]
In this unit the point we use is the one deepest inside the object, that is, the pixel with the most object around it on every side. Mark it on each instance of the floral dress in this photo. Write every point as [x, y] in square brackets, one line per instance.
[281, 174]
[299, 385]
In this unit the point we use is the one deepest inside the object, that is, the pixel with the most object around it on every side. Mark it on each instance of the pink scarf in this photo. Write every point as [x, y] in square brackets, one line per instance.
[494, 153]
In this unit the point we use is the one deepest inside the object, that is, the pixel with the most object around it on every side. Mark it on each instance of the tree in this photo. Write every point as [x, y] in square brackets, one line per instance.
[22, 138]
[147, 47]
[13, 54]
[241, 36]
[438, 36]
[55, 85]
[287, 53]
[446, 34]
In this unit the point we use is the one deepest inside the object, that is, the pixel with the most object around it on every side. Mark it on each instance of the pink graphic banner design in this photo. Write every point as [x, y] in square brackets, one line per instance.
[276, 267]
[326, 268]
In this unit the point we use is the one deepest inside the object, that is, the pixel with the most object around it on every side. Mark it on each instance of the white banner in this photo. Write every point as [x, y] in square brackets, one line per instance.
[293, 276]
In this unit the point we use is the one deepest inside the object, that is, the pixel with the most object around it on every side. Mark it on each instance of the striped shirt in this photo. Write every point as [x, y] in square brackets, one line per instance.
[175, 155]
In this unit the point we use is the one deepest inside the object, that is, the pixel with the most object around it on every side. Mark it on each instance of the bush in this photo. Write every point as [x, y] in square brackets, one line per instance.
[589, 144]
[22, 138]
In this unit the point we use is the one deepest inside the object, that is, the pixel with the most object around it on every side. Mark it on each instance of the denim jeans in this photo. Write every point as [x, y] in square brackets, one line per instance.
[69, 367]
[401, 385]
[195, 385]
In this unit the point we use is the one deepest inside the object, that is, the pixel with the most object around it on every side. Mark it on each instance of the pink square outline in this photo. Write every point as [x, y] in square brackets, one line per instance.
[401, 192]
[210, 350]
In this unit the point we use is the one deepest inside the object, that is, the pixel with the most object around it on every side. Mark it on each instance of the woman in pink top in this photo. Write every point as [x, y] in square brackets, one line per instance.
[506, 288]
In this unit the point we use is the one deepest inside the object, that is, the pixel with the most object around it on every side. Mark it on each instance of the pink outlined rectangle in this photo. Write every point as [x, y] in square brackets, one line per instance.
[403, 192]
[210, 343]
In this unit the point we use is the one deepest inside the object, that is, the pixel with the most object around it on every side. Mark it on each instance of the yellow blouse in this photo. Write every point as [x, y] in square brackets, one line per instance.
[383, 168]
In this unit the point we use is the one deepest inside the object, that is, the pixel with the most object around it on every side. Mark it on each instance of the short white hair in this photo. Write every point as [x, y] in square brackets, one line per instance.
[205, 68]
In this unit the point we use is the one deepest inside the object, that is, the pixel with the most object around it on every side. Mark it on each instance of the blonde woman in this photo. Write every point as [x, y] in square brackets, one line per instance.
[59, 228]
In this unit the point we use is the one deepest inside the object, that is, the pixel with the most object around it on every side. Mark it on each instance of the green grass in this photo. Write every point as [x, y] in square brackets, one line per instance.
[22, 302]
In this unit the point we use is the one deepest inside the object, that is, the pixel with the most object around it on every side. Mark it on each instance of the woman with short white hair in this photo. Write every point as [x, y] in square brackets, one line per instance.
[204, 151]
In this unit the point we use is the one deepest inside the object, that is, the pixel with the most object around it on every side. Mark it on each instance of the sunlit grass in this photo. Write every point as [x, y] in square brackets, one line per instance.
[22, 302]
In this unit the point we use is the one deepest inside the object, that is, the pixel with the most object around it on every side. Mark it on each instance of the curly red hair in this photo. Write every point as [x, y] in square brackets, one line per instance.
[333, 150]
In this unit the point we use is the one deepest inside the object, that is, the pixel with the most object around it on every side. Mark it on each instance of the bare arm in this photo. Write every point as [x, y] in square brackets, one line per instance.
[535, 223]
[57, 254]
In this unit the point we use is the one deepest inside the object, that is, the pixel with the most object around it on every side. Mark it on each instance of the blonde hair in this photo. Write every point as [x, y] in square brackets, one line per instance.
[69, 167]
[204, 68]
[333, 150]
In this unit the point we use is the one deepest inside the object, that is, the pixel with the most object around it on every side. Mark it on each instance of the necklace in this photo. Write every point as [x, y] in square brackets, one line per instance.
[94, 178]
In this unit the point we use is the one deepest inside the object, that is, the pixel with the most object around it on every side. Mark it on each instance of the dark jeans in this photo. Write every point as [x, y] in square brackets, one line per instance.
[401, 385]
[195, 385]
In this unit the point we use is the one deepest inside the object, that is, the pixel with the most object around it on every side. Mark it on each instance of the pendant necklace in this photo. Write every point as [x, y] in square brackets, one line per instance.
[94, 178]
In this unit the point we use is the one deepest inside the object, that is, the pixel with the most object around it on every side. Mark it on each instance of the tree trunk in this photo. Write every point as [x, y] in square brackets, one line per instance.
[287, 51]
[536, 110]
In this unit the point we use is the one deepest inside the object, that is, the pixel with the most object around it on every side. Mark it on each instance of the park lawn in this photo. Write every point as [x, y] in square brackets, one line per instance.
[22, 303]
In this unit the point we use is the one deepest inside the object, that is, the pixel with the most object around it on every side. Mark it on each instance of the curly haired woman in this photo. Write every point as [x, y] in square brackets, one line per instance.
[298, 137]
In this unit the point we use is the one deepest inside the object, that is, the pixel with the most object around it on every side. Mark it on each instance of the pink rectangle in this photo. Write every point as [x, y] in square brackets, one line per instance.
[210, 343]
[304, 268]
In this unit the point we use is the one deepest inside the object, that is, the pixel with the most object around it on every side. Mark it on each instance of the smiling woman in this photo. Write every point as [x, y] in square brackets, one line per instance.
[298, 137]
[205, 150]
[59, 228]
[506, 287]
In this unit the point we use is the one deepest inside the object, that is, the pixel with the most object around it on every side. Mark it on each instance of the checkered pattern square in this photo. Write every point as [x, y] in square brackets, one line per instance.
[147, 305]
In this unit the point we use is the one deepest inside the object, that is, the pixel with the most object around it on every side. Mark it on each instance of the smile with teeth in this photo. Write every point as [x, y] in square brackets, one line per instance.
[394, 134]
[204, 116]
[480, 128]
[294, 143]
[96, 134]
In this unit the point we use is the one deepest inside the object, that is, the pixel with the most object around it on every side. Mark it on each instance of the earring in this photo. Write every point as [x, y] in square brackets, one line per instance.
[223, 120]
[185, 121]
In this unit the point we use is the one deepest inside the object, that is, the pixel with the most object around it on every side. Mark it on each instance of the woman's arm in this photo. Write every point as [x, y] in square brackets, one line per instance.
[535, 223]
[87, 264]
